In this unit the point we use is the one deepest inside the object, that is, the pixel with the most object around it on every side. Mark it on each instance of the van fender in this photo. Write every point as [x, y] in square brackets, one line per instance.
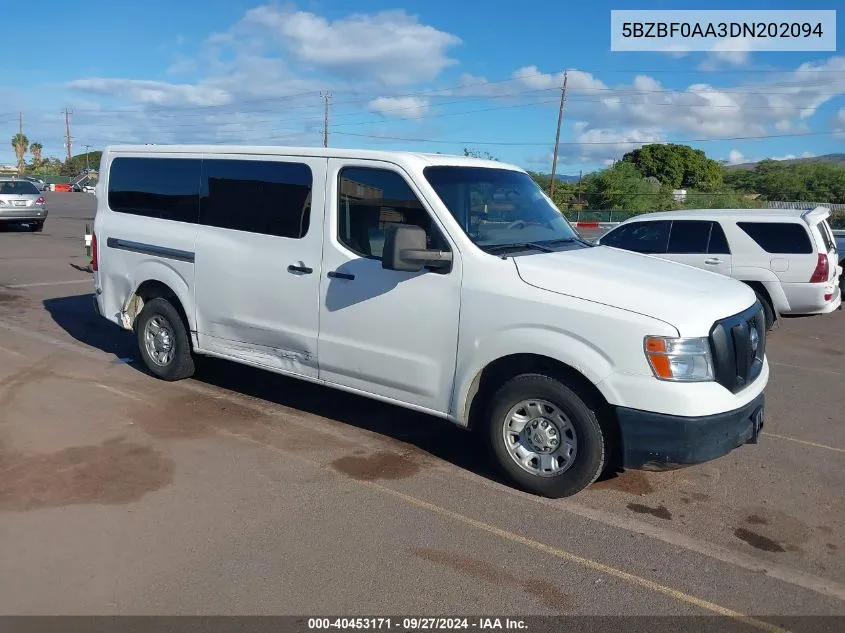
[163, 272]
[557, 344]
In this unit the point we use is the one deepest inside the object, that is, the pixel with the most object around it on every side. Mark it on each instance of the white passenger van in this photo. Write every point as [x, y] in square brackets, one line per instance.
[444, 284]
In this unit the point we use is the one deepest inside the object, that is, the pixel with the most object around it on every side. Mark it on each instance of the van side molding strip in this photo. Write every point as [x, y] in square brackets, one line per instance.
[150, 249]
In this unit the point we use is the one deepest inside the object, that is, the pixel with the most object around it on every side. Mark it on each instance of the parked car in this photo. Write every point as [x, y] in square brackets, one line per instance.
[35, 181]
[443, 284]
[21, 202]
[788, 257]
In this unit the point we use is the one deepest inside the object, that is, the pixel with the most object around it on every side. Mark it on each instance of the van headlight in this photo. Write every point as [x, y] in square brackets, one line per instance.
[679, 359]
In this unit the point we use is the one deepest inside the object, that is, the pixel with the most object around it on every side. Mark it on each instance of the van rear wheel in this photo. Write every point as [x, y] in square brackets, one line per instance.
[163, 341]
[544, 436]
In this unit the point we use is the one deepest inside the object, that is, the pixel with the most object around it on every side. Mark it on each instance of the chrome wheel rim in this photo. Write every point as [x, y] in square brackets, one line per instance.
[540, 438]
[159, 341]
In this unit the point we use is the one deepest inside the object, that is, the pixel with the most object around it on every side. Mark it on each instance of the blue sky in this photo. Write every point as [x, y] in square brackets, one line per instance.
[430, 76]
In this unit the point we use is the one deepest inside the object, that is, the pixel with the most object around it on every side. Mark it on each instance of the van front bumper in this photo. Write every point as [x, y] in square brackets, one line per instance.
[656, 441]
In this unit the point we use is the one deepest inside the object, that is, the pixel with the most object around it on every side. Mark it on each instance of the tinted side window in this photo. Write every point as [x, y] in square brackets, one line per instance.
[165, 188]
[258, 196]
[689, 236]
[370, 199]
[718, 241]
[620, 236]
[642, 237]
[778, 237]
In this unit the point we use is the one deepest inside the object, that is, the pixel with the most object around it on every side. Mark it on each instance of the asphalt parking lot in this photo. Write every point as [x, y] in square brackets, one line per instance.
[242, 492]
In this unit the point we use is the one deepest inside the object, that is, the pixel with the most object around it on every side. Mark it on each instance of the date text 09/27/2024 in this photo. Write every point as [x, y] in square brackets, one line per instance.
[417, 623]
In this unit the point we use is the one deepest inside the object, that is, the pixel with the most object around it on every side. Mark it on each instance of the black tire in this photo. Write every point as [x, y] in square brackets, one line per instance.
[181, 363]
[590, 450]
[37, 227]
[768, 311]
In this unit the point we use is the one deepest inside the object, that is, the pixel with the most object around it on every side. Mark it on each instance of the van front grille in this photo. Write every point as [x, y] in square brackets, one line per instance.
[738, 344]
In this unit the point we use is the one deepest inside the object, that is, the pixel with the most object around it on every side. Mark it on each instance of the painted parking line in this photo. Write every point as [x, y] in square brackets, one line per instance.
[551, 550]
[49, 283]
[819, 370]
[805, 442]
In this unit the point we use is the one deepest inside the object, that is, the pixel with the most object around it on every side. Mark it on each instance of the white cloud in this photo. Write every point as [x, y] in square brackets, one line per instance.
[399, 107]
[735, 157]
[153, 92]
[841, 116]
[592, 146]
[729, 52]
[391, 45]
[794, 156]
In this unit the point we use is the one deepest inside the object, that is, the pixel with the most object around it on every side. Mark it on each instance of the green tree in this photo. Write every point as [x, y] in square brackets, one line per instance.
[20, 143]
[35, 149]
[810, 181]
[678, 166]
[474, 153]
[622, 187]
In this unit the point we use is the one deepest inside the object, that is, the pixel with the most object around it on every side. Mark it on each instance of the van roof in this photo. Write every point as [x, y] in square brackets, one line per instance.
[418, 158]
[705, 214]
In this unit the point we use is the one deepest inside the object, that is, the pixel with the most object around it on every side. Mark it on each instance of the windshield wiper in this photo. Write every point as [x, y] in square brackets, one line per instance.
[516, 245]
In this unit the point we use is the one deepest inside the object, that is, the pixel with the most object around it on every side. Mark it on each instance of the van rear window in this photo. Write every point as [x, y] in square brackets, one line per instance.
[165, 188]
[779, 237]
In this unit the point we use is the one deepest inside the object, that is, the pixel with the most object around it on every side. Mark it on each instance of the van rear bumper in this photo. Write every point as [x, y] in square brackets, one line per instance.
[656, 441]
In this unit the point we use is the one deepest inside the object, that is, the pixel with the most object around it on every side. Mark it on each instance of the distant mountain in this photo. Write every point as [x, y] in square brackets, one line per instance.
[565, 178]
[836, 159]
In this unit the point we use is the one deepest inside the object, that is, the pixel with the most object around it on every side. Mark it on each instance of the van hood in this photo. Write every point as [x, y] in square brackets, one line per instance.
[685, 297]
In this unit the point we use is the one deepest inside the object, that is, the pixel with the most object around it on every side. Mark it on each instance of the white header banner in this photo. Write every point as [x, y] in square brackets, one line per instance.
[728, 30]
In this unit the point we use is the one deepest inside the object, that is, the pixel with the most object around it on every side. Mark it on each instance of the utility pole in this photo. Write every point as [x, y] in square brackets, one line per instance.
[326, 97]
[67, 134]
[87, 167]
[557, 136]
[22, 161]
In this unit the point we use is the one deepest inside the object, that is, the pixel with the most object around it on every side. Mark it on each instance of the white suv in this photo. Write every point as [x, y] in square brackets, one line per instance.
[789, 257]
[443, 284]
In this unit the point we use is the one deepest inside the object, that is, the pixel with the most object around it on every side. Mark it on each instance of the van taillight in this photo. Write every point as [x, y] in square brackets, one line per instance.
[822, 270]
[94, 252]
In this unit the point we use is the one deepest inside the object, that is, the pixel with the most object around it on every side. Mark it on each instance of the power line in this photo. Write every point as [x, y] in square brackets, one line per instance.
[485, 82]
[614, 142]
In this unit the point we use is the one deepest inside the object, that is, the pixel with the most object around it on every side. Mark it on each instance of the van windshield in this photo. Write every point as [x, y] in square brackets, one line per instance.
[497, 208]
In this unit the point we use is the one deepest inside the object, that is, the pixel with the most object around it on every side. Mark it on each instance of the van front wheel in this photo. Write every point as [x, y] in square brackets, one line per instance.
[163, 341]
[544, 436]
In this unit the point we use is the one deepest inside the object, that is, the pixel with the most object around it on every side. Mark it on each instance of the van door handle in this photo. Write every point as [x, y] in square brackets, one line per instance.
[300, 269]
[336, 275]
[713, 261]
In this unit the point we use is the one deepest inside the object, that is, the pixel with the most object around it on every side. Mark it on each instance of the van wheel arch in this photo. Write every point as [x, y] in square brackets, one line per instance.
[503, 369]
[154, 289]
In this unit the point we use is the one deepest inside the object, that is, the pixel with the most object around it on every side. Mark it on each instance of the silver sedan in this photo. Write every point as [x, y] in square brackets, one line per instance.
[21, 202]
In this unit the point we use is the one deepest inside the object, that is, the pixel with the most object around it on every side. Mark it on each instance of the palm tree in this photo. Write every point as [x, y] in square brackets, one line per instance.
[35, 149]
[21, 144]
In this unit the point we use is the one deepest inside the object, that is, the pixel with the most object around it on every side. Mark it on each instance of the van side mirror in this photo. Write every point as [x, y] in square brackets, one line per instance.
[405, 249]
